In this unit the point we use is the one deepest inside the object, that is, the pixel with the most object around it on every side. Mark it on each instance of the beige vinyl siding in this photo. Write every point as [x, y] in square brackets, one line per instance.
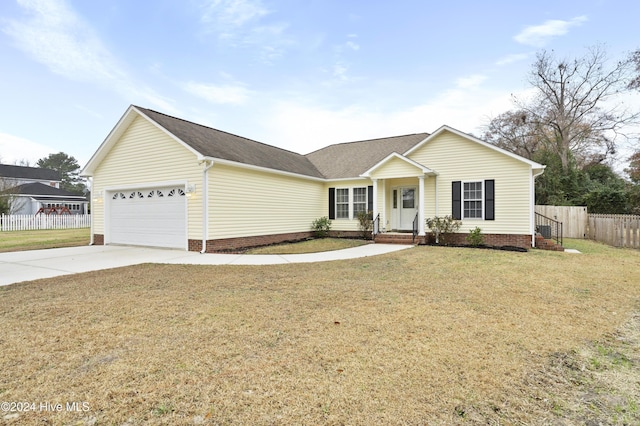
[344, 224]
[456, 158]
[244, 202]
[395, 168]
[128, 164]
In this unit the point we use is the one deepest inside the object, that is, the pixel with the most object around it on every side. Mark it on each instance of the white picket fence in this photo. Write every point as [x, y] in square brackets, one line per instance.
[17, 222]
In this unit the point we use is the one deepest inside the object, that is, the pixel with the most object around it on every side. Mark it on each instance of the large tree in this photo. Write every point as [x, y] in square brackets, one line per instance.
[634, 168]
[68, 168]
[573, 113]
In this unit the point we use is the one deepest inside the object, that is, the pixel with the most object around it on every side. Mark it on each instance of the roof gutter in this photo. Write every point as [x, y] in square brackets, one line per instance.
[208, 163]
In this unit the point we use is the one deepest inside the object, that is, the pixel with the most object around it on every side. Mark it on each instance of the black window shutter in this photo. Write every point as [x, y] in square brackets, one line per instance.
[489, 200]
[456, 204]
[370, 198]
[332, 203]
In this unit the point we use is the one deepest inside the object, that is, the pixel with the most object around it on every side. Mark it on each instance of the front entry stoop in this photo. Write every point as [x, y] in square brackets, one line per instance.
[396, 238]
[547, 244]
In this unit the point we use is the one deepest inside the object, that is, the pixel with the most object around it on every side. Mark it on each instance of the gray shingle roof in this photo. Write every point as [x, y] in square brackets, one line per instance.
[218, 144]
[40, 189]
[21, 172]
[345, 160]
[351, 159]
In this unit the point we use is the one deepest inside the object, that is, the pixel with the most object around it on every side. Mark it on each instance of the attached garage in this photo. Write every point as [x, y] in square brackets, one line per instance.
[147, 216]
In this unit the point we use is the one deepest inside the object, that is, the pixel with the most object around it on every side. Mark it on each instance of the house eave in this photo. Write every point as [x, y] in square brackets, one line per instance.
[261, 169]
[423, 169]
[127, 118]
[450, 129]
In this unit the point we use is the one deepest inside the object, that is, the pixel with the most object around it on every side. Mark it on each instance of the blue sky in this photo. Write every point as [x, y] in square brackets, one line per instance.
[295, 74]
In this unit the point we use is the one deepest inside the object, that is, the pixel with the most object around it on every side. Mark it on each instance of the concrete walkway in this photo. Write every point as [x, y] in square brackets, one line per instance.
[35, 264]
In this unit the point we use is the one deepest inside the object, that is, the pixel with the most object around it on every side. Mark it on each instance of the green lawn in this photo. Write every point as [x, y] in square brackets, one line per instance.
[428, 335]
[43, 239]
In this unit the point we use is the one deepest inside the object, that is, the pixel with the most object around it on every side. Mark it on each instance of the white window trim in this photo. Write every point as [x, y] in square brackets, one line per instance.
[350, 203]
[482, 199]
[353, 199]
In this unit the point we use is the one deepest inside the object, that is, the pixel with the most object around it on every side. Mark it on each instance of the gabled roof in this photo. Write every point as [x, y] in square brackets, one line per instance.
[38, 189]
[218, 144]
[340, 161]
[472, 138]
[394, 155]
[34, 173]
[210, 143]
[351, 159]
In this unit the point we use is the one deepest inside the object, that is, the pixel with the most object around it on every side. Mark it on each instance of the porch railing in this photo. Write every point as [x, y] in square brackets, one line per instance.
[415, 228]
[376, 225]
[549, 228]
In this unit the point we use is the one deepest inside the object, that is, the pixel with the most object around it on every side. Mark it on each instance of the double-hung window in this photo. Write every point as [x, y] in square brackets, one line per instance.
[342, 203]
[359, 201]
[472, 200]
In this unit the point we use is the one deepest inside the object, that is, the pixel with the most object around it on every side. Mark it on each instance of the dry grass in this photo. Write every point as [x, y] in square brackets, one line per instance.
[428, 335]
[43, 239]
[310, 246]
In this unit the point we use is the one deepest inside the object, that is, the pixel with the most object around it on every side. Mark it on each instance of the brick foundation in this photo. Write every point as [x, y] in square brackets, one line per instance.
[239, 244]
[496, 240]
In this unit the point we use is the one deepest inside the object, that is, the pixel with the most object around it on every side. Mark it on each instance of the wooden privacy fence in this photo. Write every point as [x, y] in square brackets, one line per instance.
[30, 222]
[619, 230]
[573, 218]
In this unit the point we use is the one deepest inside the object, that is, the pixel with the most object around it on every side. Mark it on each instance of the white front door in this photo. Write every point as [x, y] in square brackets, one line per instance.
[404, 207]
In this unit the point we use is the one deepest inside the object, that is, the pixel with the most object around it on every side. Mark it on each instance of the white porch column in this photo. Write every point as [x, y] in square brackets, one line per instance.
[421, 206]
[375, 198]
[383, 216]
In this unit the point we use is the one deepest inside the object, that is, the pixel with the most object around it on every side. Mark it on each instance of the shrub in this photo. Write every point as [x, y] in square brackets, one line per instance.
[365, 223]
[475, 237]
[443, 227]
[321, 226]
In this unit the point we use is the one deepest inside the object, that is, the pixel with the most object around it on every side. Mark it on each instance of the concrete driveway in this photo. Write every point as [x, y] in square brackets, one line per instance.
[35, 264]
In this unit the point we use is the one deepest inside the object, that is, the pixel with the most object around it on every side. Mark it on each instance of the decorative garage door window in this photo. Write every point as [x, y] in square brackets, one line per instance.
[174, 192]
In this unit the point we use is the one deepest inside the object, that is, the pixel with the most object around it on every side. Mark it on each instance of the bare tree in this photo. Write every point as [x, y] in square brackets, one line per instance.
[634, 59]
[574, 111]
[515, 132]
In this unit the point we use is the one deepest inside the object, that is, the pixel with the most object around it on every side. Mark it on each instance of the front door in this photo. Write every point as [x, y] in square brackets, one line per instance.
[405, 207]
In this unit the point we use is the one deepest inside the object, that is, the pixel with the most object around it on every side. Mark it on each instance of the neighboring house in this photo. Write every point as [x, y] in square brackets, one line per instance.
[30, 189]
[162, 181]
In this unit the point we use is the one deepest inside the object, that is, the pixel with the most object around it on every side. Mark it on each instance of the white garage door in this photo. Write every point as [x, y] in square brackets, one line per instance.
[148, 217]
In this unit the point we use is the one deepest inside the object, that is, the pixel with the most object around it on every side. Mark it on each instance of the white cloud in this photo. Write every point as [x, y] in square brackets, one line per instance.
[471, 81]
[509, 59]
[232, 13]
[539, 35]
[304, 127]
[238, 23]
[225, 94]
[353, 46]
[340, 71]
[14, 149]
[57, 37]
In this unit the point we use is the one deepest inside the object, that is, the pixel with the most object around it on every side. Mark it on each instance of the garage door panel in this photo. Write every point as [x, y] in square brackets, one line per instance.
[149, 217]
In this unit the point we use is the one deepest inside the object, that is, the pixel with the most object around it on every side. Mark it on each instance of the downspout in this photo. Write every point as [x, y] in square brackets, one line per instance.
[91, 242]
[436, 196]
[205, 203]
[533, 205]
